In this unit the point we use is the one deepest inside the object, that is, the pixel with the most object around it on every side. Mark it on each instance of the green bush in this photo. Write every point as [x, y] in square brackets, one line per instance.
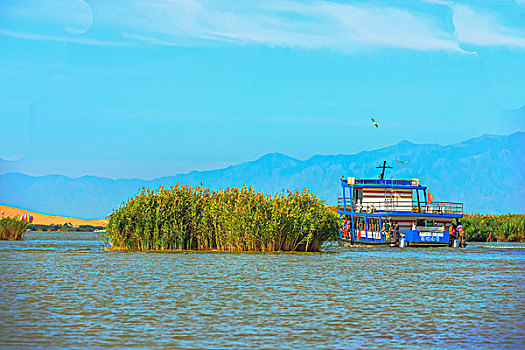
[186, 218]
[504, 228]
[12, 228]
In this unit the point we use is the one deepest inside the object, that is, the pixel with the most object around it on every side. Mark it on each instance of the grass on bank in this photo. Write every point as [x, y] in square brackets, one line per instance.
[12, 228]
[504, 228]
[187, 218]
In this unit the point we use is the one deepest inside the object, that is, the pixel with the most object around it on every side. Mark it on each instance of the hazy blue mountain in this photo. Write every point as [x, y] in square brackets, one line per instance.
[485, 173]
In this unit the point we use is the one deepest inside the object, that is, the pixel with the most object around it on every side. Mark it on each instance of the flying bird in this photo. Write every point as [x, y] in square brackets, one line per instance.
[400, 161]
[374, 123]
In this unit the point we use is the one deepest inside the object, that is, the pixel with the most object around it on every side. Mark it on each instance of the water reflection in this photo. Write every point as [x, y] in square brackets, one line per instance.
[61, 290]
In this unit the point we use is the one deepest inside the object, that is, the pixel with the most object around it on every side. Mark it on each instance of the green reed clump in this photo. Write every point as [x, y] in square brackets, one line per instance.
[504, 228]
[12, 228]
[187, 218]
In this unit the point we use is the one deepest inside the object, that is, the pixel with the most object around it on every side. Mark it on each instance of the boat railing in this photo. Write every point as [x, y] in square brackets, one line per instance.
[392, 205]
[373, 207]
[438, 208]
[383, 182]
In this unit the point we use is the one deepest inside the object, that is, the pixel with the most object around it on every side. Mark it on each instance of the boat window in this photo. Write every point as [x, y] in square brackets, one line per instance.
[425, 223]
[373, 224]
[359, 223]
[358, 194]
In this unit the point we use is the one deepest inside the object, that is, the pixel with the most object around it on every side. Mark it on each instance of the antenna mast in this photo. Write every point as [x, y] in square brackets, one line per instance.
[384, 166]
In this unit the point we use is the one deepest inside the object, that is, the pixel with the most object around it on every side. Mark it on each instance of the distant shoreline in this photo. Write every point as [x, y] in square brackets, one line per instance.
[59, 228]
[43, 219]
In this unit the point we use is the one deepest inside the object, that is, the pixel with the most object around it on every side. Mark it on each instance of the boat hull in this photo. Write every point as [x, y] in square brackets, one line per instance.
[417, 237]
[348, 242]
[412, 238]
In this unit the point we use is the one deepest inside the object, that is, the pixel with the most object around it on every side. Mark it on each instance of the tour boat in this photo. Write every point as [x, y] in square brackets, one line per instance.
[369, 206]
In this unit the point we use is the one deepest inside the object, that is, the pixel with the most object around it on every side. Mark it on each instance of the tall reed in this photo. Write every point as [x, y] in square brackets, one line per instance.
[234, 219]
[12, 228]
[504, 228]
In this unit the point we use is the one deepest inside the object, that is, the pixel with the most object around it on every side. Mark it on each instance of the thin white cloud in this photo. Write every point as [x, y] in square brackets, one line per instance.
[310, 24]
[438, 2]
[483, 28]
[147, 39]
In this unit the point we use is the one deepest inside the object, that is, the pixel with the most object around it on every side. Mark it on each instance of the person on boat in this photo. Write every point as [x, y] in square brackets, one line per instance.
[452, 232]
[461, 233]
[384, 231]
[346, 228]
[396, 231]
[348, 232]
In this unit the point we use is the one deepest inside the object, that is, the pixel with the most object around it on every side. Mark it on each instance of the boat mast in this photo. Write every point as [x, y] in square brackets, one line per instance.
[384, 166]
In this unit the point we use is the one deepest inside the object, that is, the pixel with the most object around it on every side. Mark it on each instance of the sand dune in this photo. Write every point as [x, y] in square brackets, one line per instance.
[43, 219]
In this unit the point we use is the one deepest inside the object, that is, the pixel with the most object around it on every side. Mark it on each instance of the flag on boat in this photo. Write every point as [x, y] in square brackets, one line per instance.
[430, 198]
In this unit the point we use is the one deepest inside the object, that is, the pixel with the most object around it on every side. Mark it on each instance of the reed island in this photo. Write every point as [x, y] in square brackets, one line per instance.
[12, 228]
[234, 219]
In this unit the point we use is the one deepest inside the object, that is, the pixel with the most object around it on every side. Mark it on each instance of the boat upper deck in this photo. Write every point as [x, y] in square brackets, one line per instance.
[400, 197]
[360, 183]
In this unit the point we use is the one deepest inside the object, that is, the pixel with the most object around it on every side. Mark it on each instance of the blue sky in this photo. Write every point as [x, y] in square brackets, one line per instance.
[144, 89]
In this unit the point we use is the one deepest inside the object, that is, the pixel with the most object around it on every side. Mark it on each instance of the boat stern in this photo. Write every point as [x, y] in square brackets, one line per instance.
[427, 236]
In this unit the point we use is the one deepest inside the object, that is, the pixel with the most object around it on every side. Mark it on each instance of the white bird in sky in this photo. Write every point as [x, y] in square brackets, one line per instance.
[374, 123]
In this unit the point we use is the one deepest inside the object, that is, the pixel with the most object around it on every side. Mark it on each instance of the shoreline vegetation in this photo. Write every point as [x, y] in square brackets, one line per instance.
[66, 228]
[188, 201]
[12, 229]
[237, 220]
[504, 228]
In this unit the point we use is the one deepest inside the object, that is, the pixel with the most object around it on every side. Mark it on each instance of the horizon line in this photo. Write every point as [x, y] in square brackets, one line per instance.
[256, 159]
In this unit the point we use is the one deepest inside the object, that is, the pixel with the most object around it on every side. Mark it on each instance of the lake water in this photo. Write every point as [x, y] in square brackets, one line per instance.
[62, 290]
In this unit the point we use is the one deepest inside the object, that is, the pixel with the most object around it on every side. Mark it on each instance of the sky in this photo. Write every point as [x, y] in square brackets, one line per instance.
[143, 89]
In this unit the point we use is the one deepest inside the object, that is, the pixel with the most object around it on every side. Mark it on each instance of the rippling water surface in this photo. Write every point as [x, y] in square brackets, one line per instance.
[62, 290]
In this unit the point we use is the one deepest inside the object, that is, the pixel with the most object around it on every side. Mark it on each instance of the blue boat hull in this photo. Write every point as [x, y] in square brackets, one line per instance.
[415, 237]
[412, 238]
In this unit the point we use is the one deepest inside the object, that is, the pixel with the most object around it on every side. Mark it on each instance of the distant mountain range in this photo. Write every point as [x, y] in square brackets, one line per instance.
[485, 173]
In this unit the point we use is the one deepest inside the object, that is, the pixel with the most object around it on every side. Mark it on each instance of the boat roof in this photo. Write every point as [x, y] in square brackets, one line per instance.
[376, 183]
